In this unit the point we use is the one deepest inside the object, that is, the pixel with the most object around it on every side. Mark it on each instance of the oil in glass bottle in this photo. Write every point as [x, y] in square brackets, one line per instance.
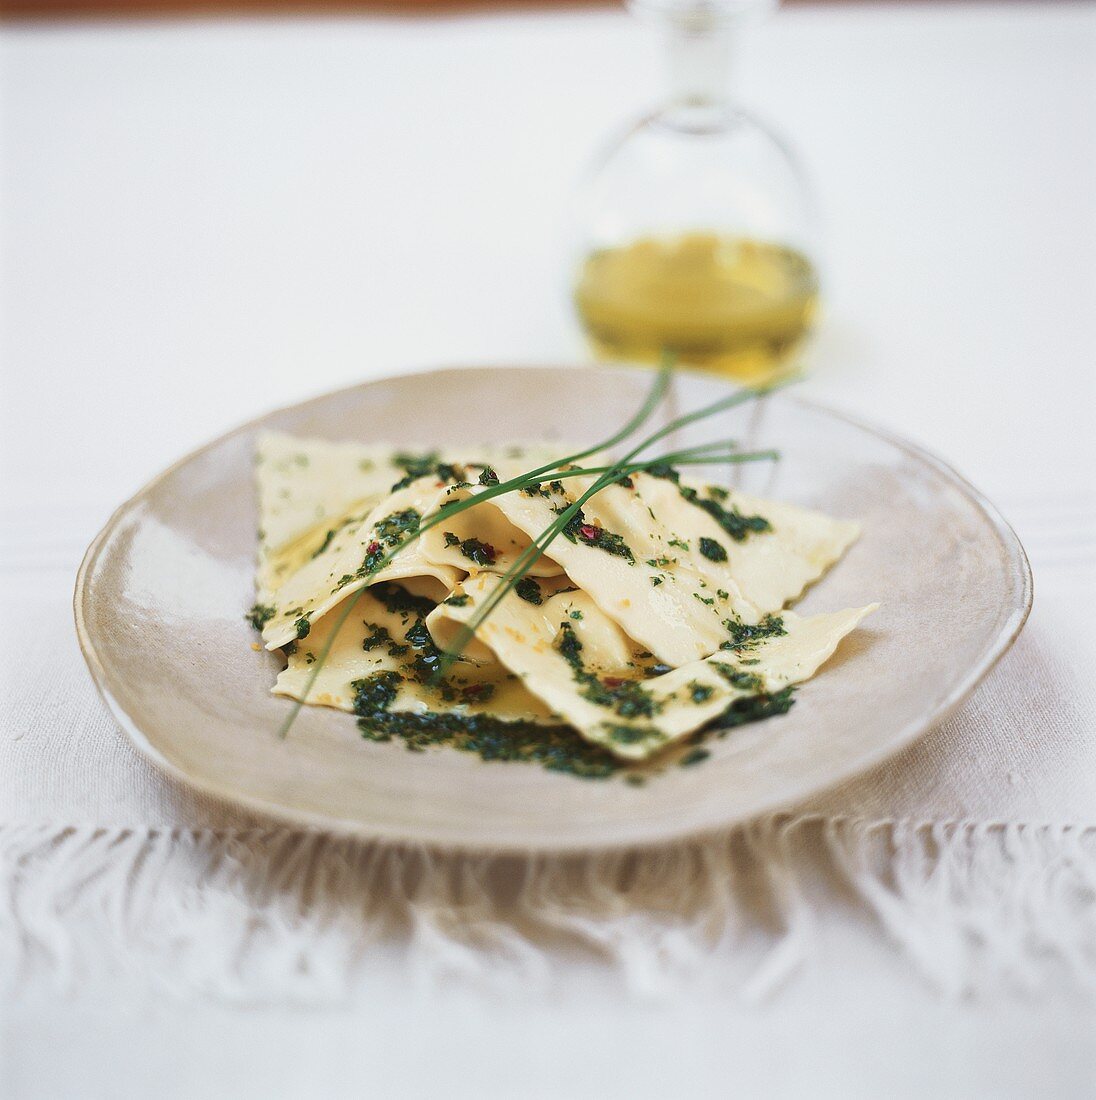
[697, 226]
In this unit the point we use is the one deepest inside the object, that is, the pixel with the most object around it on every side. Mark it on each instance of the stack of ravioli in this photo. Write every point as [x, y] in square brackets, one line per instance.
[640, 626]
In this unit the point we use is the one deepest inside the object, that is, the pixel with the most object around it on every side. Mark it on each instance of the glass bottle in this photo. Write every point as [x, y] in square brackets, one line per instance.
[697, 226]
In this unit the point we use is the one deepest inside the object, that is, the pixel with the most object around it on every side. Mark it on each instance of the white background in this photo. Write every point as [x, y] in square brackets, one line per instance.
[204, 220]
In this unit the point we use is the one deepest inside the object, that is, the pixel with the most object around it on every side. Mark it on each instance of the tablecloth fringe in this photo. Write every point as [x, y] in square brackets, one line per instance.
[276, 915]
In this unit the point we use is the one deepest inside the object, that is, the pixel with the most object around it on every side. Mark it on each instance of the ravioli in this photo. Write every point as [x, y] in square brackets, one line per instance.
[344, 565]
[307, 486]
[326, 509]
[384, 632]
[586, 669]
[661, 604]
[771, 568]
[657, 581]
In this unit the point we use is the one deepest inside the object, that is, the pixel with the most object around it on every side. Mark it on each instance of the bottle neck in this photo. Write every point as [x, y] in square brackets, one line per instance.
[700, 54]
[701, 44]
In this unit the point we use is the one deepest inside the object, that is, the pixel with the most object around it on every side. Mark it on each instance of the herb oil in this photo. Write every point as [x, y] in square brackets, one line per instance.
[738, 307]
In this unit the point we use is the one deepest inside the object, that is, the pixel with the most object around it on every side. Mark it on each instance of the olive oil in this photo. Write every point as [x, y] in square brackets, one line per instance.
[736, 306]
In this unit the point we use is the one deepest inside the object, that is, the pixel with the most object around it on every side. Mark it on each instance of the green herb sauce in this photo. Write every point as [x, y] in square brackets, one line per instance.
[557, 748]
[425, 465]
[743, 681]
[528, 590]
[580, 530]
[482, 553]
[745, 637]
[260, 615]
[738, 526]
[626, 697]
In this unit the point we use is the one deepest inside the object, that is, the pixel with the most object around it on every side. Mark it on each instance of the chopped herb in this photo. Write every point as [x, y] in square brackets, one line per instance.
[570, 648]
[659, 563]
[379, 637]
[333, 532]
[541, 489]
[631, 735]
[488, 476]
[680, 544]
[413, 466]
[746, 637]
[708, 600]
[656, 580]
[395, 599]
[260, 615]
[578, 529]
[376, 693]
[738, 526]
[712, 550]
[424, 667]
[694, 757]
[461, 599]
[388, 533]
[700, 693]
[416, 466]
[302, 626]
[418, 635]
[576, 614]
[557, 748]
[626, 697]
[529, 590]
[325, 544]
[451, 539]
[482, 553]
[392, 529]
[753, 708]
[743, 681]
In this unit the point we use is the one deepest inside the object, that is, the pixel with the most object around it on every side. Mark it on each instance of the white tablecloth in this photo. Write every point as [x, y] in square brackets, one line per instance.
[202, 220]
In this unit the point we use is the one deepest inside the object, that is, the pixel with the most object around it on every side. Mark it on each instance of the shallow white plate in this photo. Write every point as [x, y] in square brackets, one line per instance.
[162, 591]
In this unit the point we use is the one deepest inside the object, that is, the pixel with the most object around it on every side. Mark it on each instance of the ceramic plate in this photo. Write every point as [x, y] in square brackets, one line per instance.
[162, 591]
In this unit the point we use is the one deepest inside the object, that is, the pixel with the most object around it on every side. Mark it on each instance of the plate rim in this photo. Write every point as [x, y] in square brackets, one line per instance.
[1020, 569]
